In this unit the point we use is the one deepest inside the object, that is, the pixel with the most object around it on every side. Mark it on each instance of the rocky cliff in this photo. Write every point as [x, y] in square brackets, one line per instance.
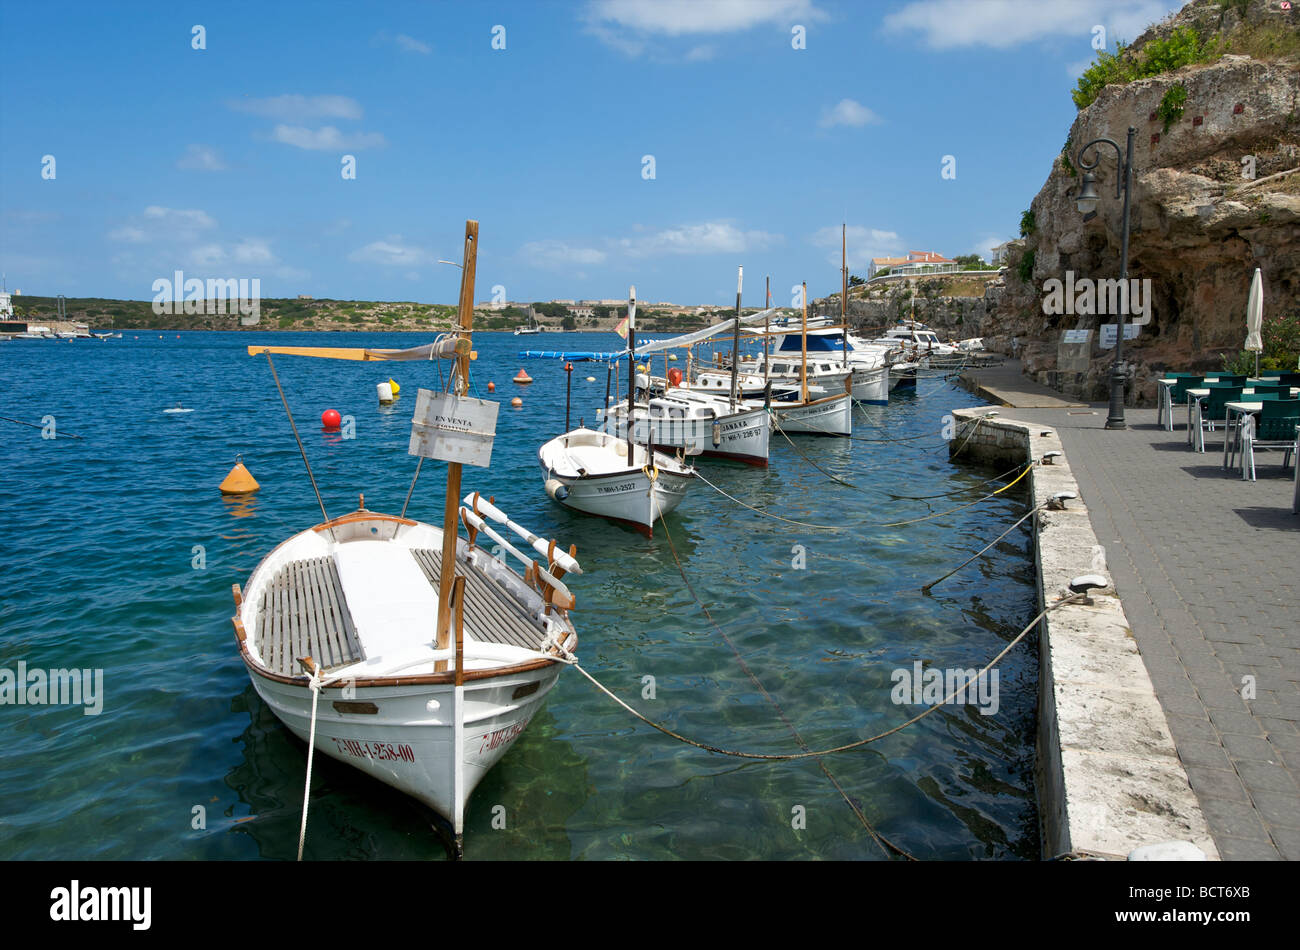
[1216, 193]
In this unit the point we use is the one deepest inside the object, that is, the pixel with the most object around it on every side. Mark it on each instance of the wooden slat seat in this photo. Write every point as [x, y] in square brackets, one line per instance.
[491, 613]
[304, 613]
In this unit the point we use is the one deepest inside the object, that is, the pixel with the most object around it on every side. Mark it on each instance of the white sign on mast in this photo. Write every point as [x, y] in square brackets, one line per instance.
[453, 428]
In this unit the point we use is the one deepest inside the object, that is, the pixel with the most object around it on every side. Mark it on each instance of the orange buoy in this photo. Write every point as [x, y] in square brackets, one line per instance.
[674, 377]
[521, 377]
[517, 402]
[240, 481]
[492, 387]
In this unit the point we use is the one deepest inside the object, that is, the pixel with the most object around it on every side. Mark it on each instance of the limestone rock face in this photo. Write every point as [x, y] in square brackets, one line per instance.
[1199, 225]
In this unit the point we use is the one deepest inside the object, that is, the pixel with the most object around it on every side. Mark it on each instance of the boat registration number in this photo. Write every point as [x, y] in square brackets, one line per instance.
[379, 751]
[494, 740]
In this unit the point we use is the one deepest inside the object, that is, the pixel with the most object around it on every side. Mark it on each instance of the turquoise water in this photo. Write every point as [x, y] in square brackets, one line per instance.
[101, 572]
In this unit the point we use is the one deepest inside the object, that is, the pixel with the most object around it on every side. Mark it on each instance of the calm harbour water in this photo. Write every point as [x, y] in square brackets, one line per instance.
[99, 560]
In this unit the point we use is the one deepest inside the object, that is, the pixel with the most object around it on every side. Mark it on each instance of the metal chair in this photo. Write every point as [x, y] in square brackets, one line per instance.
[1275, 429]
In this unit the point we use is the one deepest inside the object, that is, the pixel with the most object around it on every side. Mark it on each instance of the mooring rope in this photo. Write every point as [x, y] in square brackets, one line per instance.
[847, 747]
[880, 840]
[65, 435]
[1019, 522]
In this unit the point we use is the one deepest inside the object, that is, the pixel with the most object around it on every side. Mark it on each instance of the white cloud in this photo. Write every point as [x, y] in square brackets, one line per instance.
[708, 237]
[631, 26]
[392, 253]
[1001, 24]
[985, 245]
[862, 245]
[190, 219]
[551, 254]
[848, 112]
[128, 235]
[683, 17]
[326, 138]
[412, 45]
[203, 158]
[296, 108]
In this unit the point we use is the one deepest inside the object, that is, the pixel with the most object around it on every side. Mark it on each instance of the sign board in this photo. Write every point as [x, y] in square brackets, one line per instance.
[1073, 352]
[453, 428]
[1106, 338]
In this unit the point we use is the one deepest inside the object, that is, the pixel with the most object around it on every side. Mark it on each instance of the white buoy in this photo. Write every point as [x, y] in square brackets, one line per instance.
[385, 393]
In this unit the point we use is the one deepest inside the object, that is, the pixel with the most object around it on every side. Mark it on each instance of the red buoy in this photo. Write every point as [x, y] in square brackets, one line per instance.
[674, 377]
[492, 387]
[331, 419]
[521, 377]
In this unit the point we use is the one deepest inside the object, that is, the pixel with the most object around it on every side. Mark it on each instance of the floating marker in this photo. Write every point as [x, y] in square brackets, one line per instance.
[591, 379]
[394, 387]
[331, 419]
[522, 378]
[492, 387]
[240, 481]
[517, 402]
[385, 394]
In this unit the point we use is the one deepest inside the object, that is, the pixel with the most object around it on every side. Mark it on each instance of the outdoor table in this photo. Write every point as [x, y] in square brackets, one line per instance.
[1164, 401]
[1194, 397]
[1295, 501]
[1241, 409]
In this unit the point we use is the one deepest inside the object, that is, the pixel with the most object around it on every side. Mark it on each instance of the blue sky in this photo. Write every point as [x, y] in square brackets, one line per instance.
[227, 161]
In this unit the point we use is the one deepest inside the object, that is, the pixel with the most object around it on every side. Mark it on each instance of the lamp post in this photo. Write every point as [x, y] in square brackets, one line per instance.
[1087, 200]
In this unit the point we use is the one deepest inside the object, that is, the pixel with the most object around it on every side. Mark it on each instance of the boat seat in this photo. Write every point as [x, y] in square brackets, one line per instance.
[303, 613]
[492, 614]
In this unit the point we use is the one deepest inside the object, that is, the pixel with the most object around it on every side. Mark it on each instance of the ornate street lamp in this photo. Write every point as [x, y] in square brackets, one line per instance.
[1086, 201]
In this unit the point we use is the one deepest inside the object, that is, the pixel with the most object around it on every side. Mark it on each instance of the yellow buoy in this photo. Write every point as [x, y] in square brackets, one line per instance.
[396, 388]
[240, 481]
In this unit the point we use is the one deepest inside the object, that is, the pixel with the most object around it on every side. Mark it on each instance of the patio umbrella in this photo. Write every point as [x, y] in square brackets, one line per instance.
[1255, 317]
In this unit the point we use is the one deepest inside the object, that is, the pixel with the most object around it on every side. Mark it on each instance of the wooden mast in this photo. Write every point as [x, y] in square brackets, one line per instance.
[844, 291]
[451, 507]
[631, 375]
[767, 324]
[803, 369]
[735, 342]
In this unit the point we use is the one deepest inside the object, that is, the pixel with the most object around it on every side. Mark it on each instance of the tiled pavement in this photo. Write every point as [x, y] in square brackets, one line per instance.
[1208, 570]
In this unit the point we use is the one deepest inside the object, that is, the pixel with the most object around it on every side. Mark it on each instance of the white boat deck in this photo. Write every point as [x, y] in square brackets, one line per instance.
[393, 609]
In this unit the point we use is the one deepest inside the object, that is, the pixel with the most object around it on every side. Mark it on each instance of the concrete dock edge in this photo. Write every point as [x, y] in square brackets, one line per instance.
[1108, 777]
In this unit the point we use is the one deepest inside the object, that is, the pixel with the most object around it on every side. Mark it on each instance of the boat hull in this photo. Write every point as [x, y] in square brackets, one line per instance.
[829, 416]
[409, 741]
[630, 496]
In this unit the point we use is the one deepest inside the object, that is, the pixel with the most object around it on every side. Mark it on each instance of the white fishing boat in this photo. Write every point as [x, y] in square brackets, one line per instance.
[820, 413]
[396, 646]
[599, 473]
[738, 433]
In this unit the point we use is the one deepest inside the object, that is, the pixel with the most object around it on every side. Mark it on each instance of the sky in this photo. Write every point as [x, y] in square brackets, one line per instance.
[599, 143]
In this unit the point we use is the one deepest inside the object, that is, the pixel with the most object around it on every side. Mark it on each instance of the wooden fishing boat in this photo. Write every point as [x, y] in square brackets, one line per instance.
[399, 647]
[599, 473]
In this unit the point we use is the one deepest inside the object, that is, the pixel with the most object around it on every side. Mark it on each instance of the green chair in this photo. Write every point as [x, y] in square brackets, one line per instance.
[1274, 429]
[1265, 389]
[1213, 411]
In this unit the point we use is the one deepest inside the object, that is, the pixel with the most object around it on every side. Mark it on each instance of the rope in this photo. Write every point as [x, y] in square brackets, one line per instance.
[771, 757]
[66, 435]
[760, 511]
[314, 685]
[898, 524]
[1019, 522]
[880, 840]
[298, 438]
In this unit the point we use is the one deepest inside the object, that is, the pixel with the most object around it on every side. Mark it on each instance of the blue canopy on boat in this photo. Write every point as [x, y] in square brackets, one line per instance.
[575, 356]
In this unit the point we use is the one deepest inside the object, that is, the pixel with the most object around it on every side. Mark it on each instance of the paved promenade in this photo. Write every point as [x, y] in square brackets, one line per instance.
[1208, 570]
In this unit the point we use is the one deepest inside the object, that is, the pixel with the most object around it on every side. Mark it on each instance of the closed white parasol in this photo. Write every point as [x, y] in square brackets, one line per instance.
[1255, 317]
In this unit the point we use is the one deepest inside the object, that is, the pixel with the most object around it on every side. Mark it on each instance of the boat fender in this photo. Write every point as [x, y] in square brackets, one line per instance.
[717, 434]
[556, 489]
